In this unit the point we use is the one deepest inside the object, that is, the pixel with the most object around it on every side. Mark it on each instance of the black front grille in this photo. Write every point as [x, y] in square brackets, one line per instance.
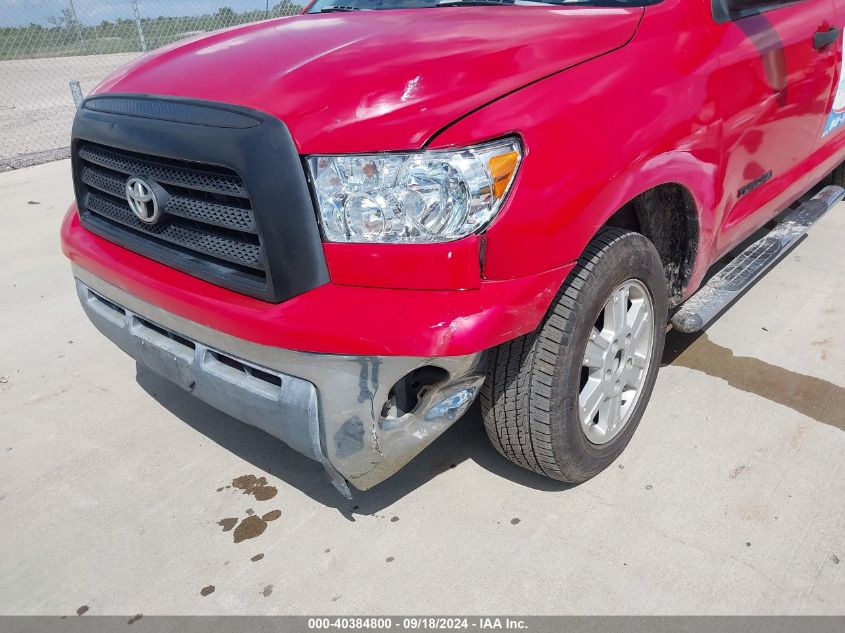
[206, 212]
[236, 209]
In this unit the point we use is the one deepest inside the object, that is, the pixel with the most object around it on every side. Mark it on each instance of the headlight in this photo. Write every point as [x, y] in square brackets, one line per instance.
[413, 198]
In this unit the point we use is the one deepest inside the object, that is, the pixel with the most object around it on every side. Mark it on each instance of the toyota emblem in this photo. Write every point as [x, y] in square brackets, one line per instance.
[142, 200]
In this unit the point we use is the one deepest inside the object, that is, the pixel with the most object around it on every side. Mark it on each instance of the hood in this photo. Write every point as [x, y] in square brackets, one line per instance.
[378, 80]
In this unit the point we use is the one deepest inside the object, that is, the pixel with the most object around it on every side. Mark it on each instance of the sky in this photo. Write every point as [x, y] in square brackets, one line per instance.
[22, 12]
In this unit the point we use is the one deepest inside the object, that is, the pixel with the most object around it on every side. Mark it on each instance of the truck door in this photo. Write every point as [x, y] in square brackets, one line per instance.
[778, 63]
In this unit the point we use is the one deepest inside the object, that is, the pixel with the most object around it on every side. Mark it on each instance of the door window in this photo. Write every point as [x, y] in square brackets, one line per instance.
[730, 10]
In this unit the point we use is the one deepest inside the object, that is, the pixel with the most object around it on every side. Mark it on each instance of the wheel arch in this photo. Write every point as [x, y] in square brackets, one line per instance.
[666, 214]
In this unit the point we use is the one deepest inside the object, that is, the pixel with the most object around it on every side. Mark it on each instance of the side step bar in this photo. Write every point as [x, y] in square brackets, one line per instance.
[730, 282]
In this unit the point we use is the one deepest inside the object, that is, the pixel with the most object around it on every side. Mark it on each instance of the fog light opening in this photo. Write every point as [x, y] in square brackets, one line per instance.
[406, 394]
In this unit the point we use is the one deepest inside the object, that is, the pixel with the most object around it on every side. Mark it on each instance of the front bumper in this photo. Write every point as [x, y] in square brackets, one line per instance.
[333, 318]
[327, 407]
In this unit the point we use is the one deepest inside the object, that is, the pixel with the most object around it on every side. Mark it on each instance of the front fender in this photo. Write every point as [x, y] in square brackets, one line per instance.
[595, 137]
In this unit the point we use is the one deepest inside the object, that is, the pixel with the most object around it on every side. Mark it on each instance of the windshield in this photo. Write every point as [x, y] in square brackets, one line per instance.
[364, 5]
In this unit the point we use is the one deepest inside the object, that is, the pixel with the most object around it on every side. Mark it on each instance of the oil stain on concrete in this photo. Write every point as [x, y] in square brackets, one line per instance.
[255, 486]
[228, 523]
[818, 399]
[254, 526]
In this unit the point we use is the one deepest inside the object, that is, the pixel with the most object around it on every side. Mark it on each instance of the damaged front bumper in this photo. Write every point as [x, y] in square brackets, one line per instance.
[362, 417]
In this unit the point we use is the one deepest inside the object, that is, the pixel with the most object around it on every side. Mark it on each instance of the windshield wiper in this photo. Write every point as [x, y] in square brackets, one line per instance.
[472, 3]
[338, 9]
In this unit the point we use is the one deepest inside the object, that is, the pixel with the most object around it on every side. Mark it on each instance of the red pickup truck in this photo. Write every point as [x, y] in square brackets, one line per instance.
[342, 227]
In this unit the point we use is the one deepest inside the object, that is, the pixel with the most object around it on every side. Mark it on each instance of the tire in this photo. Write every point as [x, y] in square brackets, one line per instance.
[530, 400]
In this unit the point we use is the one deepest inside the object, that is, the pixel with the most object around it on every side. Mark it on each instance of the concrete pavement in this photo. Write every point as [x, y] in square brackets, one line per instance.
[118, 492]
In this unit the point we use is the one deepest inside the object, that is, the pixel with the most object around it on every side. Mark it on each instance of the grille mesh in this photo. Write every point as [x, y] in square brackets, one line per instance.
[220, 246]
[228, 216]
[164, 173]
[217, 214]
[205, 210]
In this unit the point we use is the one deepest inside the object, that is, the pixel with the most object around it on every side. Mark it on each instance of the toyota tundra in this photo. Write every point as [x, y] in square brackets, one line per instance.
[343, 227]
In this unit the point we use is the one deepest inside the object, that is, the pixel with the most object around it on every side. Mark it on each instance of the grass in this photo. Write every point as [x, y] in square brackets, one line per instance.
[68, 37]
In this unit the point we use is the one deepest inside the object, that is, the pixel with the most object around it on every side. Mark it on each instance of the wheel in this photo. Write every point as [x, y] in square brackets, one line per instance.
[565, 400]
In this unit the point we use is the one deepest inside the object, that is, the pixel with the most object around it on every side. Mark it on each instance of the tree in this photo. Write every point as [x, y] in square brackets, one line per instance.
[286, 7]
[226, 16]
[66, 20]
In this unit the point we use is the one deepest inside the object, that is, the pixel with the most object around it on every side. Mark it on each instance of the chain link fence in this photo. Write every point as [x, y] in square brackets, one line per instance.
[54, 50]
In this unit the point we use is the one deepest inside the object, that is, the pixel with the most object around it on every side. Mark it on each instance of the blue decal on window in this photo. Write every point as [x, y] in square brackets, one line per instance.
[837, 116]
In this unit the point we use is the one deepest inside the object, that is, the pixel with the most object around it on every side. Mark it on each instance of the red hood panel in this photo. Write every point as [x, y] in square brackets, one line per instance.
[378, 80]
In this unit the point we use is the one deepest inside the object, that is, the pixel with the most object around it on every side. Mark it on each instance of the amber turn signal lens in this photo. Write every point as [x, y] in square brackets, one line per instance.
[502, 169]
